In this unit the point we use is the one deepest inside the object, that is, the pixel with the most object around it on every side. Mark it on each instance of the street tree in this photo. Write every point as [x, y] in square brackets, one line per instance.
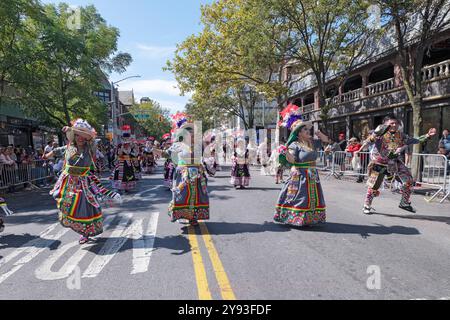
[152, 117]
[69, 67]
[331, 37]
[417, 25]
[16, 41]
[241, 52]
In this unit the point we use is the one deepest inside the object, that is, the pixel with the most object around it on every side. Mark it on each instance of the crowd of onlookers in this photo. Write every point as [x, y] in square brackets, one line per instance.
[13, 156]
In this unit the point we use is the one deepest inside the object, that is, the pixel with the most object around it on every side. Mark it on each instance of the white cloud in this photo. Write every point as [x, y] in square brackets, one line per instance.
[147, 88]
[165, 92]
[156, 52]
[173, 106]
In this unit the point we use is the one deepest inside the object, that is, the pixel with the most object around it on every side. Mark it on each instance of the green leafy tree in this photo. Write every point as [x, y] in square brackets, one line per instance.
[153, 118]
[232, 57]
[331, 37]
[417, 25]
[58, 85]
[16, 41]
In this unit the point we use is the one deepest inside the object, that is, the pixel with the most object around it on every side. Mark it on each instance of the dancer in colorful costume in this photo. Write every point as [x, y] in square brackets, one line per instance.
[190, 199]
[123, 177]
[301, 201]
[148, 158]
[210, 163]
[136, 161]
[6, 213]
[78, 191]
[169, 166]
[388, 144]
[209, 155]
[240, 172]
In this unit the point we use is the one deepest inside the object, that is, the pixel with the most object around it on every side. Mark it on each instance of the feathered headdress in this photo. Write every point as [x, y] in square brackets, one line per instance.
[126, 131]
[179, 119]
[290, 115]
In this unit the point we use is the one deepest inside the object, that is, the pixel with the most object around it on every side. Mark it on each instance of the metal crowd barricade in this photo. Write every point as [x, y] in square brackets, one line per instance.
[345, 164]
[322, 163]
[18, 174]
[447, 195]
[433, 173]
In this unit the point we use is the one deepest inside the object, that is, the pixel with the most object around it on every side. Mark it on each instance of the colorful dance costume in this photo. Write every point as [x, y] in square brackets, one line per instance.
[4, 213]
[136, 164]
[169, 172]
[148, 162]
[240, 173]
[190, 199]
[210, 165]
[123, 175]
[386, 161]
[301, 201]
[78, 191]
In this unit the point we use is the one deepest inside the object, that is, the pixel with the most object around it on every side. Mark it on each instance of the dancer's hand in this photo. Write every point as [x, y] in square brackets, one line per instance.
[432, 132]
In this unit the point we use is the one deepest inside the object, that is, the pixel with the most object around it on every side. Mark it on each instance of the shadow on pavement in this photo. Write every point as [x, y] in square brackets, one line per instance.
[18, 241]
[174, 243]
[33, 218]
[364, 231]
[223, 228]
[262, 188]
[445, 219]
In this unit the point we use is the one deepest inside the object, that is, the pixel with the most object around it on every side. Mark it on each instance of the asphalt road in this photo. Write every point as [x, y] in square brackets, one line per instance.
[239, 254]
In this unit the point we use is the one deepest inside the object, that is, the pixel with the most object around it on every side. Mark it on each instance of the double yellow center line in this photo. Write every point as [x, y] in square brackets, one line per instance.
[200, 273]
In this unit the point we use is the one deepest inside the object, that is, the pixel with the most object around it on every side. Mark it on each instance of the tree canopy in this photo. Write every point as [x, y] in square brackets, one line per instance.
[59, 66]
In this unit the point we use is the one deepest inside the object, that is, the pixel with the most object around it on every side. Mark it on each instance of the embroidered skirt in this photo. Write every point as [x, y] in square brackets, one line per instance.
[77, 204]
[190, 199]
[123, 176]
[301, 201]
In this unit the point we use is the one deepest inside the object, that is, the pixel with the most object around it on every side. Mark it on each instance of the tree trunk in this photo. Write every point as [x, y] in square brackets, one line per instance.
[417, 127]
[66, 111]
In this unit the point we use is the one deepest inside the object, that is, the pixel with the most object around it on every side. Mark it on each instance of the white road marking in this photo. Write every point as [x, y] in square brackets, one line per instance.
[143, 244]
[44, 272]
[110, 248]
[443, 298]
[139, 195]
[32, 248]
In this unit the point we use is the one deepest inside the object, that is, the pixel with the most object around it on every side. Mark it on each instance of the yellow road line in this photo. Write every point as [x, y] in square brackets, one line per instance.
[199, 267]
[221, 276]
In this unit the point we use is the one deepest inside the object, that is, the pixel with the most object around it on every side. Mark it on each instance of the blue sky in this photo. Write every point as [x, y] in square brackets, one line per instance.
[150, 30]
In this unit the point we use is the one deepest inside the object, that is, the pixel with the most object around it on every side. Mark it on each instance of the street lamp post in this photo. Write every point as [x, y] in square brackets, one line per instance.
[113, 103]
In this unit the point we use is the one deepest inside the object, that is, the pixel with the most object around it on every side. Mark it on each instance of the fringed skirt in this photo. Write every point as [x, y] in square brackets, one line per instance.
[123, 177]
[240, 175]
[77, 204]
